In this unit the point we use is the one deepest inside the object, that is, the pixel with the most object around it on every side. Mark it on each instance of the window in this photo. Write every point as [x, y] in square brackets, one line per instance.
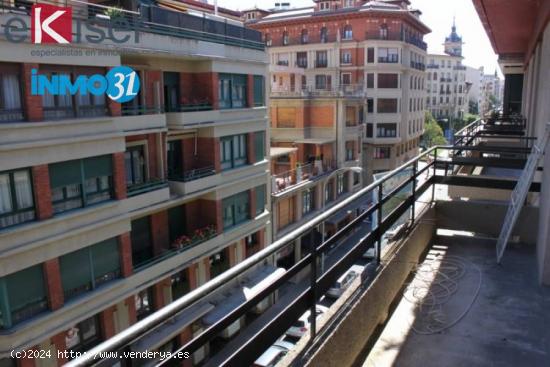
[350, 151]
[218, 263]
[388, 81]
[16, 305]
[348, 3]
[259, 91]
[260, 199]
[341, 183]
[84, 335]
[235, 209]
[324, 6]
[88, 268]
[346, 78]
[370, 105]
[356, 178]
[142, 246]
[329, 191]
[304, 36]
[321, 60]
[388, 55]
[176, 222]
[324, 35]
[57, 106]
[16, 198]
[383, 31]
[370, 55]
[370, 80]
[320, 82]
[259, 145]
[180, 284]
[252, 244]
[134, 163]
[369, 130]
[268, 41]
[233, 151]
[307, 201]
[386, 130]
[347, 32]
[10, 96]
[174, 158]
[386, 105]
[382, 152]
[144, 303]
[346, 57]
[81, 182]
[232, 90]
[301, 59]
[285, 38]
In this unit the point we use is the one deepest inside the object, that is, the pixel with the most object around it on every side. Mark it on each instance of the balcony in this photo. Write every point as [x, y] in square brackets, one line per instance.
[321, 63]
[445, 205]
[192, 115]
[310, 91]
[285, 181]
[396, 36]
[193, 180]
[156, 20]
[11, 115]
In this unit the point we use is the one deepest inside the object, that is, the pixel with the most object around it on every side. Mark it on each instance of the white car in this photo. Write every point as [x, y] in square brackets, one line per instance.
[300, 327]
[344, 281]
[274, 354]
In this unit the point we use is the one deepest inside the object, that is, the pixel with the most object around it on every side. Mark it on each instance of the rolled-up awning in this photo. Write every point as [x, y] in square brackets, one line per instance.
[168, 330]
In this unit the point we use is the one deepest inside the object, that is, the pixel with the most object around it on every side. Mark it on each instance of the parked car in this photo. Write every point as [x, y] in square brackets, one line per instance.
[301, 326]
[344, 281]
[274, 354]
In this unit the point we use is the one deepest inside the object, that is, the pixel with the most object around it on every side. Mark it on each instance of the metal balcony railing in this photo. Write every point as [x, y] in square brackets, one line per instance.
[145, 187]
[153, 19]
[396, 196]
[11, 115]
[342, 90]
[193, 174]
[284, 181]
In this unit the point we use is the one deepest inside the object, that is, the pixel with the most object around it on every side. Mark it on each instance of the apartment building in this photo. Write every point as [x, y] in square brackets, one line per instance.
[492, 90]
[447, 86]
[346, 101]
[111, 211]
[474, 77]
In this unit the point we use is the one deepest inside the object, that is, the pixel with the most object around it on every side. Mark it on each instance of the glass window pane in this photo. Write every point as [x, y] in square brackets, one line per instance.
[5, 194]
[76, 273]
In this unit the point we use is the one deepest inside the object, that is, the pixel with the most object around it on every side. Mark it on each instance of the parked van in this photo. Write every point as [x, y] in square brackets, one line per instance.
[344, 281]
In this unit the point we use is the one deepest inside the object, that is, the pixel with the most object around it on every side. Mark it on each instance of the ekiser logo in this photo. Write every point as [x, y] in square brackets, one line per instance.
[51, 24]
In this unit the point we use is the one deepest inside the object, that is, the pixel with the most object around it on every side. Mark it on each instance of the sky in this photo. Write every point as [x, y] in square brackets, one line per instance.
[437, 15]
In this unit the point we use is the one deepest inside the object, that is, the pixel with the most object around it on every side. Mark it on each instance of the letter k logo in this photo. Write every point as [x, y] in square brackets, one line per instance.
[51, 24]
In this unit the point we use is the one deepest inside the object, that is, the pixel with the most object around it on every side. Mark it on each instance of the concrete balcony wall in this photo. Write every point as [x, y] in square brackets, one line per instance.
[286, 134]
[33, 243]
[145, 200]
[214, 118]
[141, 122]
[56, 141]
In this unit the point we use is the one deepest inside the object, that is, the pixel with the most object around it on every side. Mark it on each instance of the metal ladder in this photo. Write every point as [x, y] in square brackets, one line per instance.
[520, 193]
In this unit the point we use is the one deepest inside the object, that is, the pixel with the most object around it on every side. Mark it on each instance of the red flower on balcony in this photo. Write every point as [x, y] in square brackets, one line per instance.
[199, 235]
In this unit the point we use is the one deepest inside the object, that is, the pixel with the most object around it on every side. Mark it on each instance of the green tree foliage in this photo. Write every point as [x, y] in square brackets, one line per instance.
[433, 133]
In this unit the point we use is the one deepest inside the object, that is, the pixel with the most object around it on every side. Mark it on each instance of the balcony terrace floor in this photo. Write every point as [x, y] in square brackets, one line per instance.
[508, 323]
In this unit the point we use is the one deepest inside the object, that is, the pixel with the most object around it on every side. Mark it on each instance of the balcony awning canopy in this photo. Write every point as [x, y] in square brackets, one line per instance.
[254, 283]
[315, 141]
[509, 25]
[275, 152]
[170, 329]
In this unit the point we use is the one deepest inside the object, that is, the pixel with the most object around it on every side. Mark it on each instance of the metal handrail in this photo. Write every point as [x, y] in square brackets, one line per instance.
[130, 334]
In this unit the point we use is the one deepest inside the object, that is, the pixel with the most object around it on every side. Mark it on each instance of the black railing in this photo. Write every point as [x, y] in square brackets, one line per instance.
[11, 115]
[193, 174]
[153, 19]
[396, 196]
[142, 188]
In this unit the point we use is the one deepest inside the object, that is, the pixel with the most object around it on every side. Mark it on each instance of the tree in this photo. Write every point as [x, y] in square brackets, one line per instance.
[473, 107]
[433, 133]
